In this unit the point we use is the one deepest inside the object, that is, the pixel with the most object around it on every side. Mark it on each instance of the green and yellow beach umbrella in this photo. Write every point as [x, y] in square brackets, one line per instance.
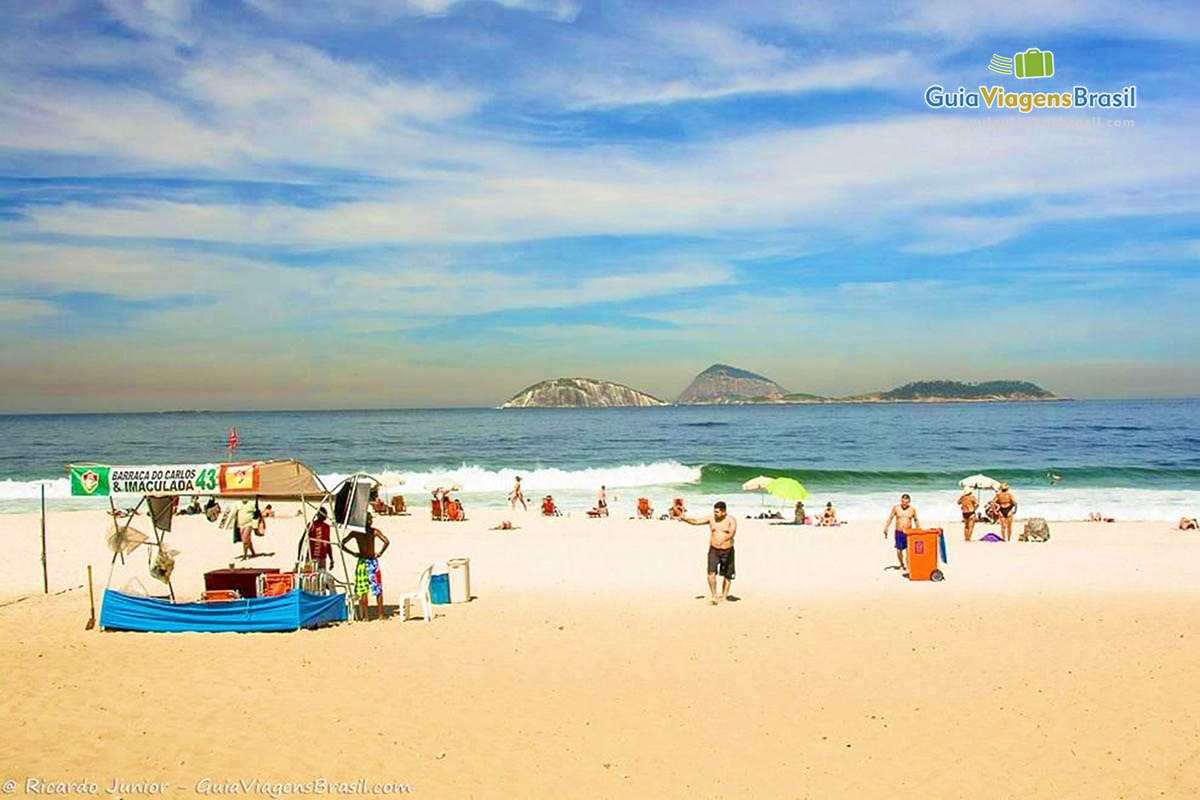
[787, 489]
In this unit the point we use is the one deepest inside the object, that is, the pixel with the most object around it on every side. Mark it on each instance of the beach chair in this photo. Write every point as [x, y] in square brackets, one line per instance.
[644, 509]
[436, 509]
[452, 512]
[420, 594]
[220, 596]
[549, 509]
[398, 505]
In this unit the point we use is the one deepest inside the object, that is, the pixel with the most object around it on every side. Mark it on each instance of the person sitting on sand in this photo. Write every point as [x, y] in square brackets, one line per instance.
[517, 496]
[906, 520]
[799, 513]
[1006, 507]
[367, 576]
[829, 515]
[1188, 524]
[677, 510]
[721, 530]
[969, 504]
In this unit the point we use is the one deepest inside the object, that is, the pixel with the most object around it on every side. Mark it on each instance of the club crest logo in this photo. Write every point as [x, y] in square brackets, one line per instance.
[89, 481]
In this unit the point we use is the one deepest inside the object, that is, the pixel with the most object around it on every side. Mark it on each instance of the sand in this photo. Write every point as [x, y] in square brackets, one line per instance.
[590, 666]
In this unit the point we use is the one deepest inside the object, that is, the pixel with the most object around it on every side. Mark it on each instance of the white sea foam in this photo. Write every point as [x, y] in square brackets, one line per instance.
[661, 481]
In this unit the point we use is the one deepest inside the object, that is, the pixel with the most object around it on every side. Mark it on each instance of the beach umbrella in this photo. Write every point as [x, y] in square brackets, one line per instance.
[787, 489]
[758, 484]
[979, 482]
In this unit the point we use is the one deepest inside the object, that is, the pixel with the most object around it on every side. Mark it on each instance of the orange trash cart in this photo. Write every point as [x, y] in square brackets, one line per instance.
[923, 554]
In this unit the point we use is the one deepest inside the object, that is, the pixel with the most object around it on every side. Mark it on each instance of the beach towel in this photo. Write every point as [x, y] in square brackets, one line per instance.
[991, 537]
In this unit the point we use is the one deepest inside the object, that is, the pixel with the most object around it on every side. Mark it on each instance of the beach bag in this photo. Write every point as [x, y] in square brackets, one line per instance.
[991, 537]
[1036, 530]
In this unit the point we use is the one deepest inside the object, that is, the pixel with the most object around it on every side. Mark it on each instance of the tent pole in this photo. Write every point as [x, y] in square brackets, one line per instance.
[45, 576]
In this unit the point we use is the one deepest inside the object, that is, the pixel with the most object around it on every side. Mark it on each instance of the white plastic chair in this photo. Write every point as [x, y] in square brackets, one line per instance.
[420, 593]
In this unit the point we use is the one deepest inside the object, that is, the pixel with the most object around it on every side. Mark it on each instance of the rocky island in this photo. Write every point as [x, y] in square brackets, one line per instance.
[722, 384]
[580, 393]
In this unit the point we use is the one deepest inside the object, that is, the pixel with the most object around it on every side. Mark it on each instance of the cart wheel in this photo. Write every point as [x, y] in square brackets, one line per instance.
[937, 575]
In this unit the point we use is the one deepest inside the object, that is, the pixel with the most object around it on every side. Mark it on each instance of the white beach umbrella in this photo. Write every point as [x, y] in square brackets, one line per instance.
[758, 484]
[979, 482]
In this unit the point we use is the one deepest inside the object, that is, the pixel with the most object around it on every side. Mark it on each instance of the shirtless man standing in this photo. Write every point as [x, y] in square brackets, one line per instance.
[968, 504]
[906, 520]
[367, 577]
[721, 529]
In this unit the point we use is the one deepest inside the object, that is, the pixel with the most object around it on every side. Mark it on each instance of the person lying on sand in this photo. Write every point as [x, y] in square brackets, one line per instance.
[1188, 524]
[504, 526]
[1096, 516]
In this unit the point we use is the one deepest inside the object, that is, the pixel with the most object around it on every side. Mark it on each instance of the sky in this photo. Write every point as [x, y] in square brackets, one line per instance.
[261, 204]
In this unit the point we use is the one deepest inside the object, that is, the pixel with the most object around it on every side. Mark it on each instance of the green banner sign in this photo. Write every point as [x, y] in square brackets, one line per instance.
[174, 479]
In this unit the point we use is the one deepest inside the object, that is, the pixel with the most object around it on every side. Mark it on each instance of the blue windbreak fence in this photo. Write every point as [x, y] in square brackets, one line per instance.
[288, 612]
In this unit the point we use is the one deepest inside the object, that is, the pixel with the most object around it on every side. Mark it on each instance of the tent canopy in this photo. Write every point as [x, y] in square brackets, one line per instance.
[270, 480]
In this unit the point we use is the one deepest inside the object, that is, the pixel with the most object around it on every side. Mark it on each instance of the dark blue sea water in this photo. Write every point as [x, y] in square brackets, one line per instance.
[1139, 459]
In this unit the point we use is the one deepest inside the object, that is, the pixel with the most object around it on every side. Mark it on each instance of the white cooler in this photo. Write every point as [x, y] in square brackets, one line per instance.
[460, 579]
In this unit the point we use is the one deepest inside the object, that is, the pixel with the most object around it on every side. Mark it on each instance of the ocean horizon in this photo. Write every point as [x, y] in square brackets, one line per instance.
[1132, 459]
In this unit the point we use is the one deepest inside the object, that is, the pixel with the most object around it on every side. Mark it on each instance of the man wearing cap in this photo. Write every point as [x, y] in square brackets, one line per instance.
[968, 504]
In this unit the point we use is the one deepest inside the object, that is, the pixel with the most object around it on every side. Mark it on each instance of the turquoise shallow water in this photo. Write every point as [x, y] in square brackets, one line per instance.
[1137, 458]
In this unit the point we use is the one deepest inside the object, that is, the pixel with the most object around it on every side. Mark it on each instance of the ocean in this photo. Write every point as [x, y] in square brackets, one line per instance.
[1130, 459]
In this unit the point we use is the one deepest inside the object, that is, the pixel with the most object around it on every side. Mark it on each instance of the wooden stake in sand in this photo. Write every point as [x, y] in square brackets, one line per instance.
[91, 623]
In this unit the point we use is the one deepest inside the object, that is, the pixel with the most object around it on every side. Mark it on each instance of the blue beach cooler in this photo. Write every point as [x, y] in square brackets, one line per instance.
[439, 589]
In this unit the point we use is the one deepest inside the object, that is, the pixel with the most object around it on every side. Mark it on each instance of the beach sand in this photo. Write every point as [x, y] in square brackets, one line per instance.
[589, 665]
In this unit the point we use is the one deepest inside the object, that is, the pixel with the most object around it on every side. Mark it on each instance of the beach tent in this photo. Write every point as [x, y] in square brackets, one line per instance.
[282, 480]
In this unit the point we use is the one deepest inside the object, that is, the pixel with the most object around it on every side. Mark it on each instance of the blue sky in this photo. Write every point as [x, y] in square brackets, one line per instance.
[292, 203]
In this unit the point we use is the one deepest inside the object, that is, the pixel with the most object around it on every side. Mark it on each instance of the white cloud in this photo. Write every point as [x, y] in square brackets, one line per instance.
[158, 18]
[19, 309]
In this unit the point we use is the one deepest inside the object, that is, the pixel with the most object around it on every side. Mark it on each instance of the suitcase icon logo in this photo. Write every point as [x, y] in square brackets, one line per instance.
[1033, 63]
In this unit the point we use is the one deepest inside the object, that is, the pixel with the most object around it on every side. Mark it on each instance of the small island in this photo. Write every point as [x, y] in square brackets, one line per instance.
[580, 393]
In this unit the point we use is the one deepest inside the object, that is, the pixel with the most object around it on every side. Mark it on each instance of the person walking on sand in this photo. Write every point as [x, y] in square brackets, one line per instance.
[517, 496]
[245, 523]
[1006, 507]
[602, 502]
[721, 530]
[969, 505]
[906, 520]
[367, 576]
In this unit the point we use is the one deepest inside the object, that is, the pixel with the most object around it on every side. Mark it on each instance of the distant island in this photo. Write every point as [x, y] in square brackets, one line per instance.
[580, 393]
[722, 384]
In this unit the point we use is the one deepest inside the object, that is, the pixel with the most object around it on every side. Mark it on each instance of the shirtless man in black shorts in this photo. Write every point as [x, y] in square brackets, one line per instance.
[721, 530]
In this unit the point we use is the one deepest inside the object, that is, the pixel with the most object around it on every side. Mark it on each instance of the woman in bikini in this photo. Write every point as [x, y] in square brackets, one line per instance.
[1006, 505]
